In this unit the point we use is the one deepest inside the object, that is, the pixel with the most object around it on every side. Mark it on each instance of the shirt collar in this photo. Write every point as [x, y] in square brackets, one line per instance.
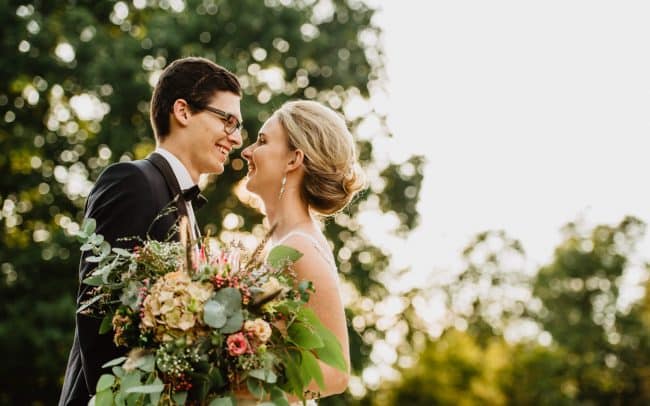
[180, 171]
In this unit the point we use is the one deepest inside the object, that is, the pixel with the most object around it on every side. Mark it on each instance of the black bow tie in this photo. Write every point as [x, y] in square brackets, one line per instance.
[194, 195]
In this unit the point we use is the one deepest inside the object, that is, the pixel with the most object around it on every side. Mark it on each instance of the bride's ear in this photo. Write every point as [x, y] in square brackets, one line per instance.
[181, 112]
[296, 159]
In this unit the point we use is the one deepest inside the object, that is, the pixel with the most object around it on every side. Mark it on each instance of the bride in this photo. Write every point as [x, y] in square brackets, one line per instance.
[303, 166]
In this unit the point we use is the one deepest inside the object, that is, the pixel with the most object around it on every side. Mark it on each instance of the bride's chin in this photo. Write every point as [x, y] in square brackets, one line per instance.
[250, 187]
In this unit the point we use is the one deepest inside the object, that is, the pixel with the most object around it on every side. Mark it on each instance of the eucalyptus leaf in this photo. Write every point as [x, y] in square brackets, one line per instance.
[282, 255]
[230, 298]
[214, 314]
[86, 247]
[130, 380]
[153, 388]
[105, 382]
[101, 271]
[226, 401]
[154, 398]
[93, 259]
[122, 252]
[104, 398]
[179, 398]
[118, 371]
[148, 363]
[88, 226]
[104, 249]
[119, 399]
[94, 280]
[113, 362]
[96, 239]
[234, 323]
[264, 375]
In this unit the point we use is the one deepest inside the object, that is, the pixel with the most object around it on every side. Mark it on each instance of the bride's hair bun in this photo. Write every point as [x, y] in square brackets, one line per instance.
[333, 175]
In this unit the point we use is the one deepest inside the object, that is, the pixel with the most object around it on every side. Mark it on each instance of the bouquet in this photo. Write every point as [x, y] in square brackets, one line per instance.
[202, 322]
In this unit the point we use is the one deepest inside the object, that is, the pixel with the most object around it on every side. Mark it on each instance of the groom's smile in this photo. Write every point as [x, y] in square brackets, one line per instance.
[223, 150]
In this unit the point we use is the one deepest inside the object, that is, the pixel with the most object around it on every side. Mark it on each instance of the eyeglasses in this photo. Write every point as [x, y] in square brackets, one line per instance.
[231, 123]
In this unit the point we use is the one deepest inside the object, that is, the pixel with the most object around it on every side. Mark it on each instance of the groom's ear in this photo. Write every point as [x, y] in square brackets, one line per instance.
[181, 111]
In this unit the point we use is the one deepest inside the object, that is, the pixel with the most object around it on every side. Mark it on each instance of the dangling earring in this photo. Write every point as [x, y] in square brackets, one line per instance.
[284, 182]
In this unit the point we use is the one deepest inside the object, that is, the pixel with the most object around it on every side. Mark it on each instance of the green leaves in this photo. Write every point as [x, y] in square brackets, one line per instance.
[107, 324]
[330, 352]
[264, 375]
[179, 398]
[255, 387]
[223, 311]
[226, 401]
[113, 362]
[87, 229]
[153, 388]
[105, 382]
[282, 255]
[311, 368]
[214, 314]
[304, 336]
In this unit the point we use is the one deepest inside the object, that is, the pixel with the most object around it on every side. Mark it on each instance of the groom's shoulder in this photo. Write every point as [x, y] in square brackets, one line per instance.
[126, 170]
[129, 174]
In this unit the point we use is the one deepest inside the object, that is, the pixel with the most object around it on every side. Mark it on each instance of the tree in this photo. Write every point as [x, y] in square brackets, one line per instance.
[590, 313]
[453, 370]
[592, 317]
[77, 77]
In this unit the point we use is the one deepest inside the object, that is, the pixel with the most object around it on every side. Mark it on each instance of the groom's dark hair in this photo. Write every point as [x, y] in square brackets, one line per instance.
[192, 79]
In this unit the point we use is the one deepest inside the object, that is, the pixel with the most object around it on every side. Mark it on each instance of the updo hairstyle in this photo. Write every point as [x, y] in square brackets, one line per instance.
[333, 175]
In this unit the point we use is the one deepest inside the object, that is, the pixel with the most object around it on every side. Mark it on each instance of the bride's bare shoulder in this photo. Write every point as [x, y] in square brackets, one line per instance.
[313, 265]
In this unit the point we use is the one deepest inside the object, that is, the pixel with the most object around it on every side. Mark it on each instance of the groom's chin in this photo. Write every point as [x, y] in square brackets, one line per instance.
[217, 169]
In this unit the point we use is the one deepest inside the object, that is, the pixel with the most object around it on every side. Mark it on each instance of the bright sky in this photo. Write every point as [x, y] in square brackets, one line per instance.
[530, 114]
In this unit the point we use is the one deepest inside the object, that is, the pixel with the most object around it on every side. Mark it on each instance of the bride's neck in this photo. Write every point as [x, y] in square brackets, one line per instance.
[287, 214]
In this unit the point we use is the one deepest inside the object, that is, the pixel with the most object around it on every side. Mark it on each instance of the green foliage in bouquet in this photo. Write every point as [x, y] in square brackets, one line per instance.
[201, 323]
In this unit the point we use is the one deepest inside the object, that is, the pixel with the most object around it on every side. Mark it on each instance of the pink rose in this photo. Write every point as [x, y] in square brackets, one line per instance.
[237, 344]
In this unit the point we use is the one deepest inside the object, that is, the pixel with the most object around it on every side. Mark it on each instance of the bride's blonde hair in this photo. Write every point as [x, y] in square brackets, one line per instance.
[333, 175]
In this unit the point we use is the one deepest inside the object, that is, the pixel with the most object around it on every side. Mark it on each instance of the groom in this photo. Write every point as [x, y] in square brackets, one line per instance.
[196, 118]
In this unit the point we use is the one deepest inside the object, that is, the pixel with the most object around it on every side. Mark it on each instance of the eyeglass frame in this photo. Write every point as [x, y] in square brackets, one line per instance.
[224, 116]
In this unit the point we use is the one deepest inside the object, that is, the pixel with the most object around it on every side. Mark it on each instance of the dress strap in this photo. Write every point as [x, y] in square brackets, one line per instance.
[329, 258]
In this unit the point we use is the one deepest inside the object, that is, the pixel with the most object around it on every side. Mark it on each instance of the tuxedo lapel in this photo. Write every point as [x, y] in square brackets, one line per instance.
[163, 166]
[168, 173]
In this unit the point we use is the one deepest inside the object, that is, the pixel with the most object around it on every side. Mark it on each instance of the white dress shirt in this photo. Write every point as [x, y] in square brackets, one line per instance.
[184, 181]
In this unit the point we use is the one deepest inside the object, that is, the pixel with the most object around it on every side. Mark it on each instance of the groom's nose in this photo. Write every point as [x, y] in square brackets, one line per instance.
[236, 139]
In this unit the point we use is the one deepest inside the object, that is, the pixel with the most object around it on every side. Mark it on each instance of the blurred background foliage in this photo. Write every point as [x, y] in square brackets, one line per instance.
[77, 78]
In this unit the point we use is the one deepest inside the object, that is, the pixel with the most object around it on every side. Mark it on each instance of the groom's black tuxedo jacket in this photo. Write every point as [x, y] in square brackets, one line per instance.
[125, 201]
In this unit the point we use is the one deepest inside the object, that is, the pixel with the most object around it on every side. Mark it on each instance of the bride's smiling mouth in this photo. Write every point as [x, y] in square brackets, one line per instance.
[251, 167]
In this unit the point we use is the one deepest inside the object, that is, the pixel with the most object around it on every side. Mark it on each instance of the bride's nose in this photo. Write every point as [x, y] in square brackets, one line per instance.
[246, 153]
